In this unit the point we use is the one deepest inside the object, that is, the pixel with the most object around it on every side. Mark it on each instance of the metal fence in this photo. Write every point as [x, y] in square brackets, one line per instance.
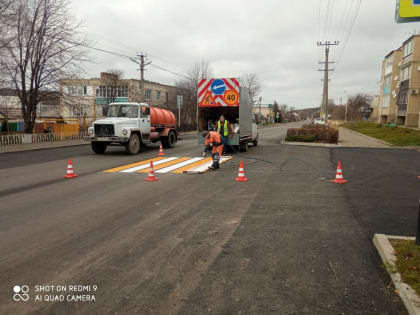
[39, 138]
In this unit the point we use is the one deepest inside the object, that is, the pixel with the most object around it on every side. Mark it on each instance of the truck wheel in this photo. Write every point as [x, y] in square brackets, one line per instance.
[98, 147]
[171, 139]
[133, 145]
[255, 142]
[244, 146]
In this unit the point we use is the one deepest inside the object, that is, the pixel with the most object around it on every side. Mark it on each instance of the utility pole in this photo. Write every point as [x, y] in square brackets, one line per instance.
[324, 106]
[142, 63]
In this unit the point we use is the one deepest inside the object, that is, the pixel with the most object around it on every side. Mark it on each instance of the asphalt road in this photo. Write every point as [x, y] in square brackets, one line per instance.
[285, 242]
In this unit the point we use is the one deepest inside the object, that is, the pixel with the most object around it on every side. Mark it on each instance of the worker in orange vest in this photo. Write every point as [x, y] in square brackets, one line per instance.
[213, 143]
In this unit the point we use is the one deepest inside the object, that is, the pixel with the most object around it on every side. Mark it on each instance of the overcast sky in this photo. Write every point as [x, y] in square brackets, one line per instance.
[274, 39]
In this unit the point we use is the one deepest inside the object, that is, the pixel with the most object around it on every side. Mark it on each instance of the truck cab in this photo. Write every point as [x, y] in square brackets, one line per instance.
[130, 125]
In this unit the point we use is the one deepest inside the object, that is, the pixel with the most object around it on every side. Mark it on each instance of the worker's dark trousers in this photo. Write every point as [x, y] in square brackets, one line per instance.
[215, 157]
[225, 140]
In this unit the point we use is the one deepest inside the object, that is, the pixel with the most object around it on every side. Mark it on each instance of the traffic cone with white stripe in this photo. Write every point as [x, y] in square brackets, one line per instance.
[161, 151]
[339, 179]
[241, 174]
[151, 177]
[70, 173]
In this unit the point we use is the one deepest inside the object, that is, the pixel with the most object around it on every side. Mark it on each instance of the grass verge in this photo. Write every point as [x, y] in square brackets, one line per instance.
[408, 262]
[395, 135]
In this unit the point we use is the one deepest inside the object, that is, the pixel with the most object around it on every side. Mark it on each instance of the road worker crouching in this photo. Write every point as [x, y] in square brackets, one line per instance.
[213, 143]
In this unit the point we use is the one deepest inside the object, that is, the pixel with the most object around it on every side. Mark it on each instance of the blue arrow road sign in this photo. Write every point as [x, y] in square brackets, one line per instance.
[218, 87]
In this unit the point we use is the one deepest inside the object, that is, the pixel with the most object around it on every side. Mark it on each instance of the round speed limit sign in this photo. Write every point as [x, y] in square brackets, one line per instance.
[231, 97]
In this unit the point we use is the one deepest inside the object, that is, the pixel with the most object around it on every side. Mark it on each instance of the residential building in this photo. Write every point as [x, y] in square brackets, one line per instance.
[10, 104]
[89, 98]
[399, 100]
[374, 104]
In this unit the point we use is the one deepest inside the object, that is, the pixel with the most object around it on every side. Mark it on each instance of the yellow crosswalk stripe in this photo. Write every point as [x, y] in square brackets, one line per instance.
[163, 165]
[124, 167]
[190, 166]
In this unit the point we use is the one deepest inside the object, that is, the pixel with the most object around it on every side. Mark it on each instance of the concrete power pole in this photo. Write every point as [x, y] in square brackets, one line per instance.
[142, 65]
[324, 106]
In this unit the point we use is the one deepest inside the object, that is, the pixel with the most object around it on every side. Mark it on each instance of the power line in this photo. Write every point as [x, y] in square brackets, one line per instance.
[349, 33]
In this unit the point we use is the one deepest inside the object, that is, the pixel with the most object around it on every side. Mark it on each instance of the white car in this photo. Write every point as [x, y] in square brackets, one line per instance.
[318, 121]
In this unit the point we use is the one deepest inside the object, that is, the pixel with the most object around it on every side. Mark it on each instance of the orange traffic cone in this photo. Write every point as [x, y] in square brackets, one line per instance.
[151, 177]
[161, 151]
[339, 179]
[70, 173]
[241, 174]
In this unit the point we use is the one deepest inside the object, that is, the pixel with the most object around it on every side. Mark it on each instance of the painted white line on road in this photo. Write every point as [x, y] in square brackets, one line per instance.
[178, 165]
[204, 168]
[142, 167]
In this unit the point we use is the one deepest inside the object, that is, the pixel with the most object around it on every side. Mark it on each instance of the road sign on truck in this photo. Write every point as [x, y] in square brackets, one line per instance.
[226, 96]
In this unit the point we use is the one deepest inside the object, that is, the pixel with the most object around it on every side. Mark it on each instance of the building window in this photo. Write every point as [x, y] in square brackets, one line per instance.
[386, 100]
[389, 62]
[79, 111]
[405, 73]
[158, 96]
[148, 94]
[111, 91]
[122, 91]
[408, 48]
[77, 89]
[402, 98]
[167, 98]
[387, 81]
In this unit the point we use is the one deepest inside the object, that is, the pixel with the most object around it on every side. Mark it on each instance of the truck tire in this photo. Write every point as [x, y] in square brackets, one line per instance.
[133, 145]
[244, 146]
[99, 147]
[169, 141]
[255, 142]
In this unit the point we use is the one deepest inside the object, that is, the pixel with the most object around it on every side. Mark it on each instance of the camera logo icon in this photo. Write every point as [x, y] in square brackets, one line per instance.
[21, 293]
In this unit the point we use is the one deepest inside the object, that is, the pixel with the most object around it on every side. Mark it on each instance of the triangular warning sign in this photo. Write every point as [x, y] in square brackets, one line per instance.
[207, 99]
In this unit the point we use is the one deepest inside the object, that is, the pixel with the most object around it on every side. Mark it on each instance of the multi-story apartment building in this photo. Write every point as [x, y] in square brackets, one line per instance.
[89, 98]
[399, 100]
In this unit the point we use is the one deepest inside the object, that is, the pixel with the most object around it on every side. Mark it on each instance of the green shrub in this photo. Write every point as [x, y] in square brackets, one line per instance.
[311, 133]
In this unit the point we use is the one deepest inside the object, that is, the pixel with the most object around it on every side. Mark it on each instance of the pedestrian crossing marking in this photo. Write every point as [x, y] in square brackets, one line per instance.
[176, 165]
[120, 168]
[163, 165]
[142, 167]
[193, 165]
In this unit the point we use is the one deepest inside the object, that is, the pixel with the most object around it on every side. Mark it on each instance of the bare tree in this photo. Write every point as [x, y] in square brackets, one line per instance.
[113, 85]
[42, 46]
[252, 83]
[188, 88]
[356, 105]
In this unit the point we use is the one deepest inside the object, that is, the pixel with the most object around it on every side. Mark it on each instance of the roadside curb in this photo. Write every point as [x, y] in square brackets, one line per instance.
[368, 137]
[409, 297]
[312, 144]
[23, 149]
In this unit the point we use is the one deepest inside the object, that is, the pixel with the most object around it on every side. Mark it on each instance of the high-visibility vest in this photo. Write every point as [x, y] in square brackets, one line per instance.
[225, 128]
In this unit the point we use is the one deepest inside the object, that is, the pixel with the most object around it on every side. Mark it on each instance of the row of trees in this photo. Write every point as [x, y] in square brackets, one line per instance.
[357, 105]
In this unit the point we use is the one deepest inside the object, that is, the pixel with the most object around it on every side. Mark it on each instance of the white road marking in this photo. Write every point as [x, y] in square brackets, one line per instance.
[142, 167]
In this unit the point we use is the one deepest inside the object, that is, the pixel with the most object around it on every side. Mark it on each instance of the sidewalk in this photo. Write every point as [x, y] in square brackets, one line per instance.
[353, 139]
[42, 145]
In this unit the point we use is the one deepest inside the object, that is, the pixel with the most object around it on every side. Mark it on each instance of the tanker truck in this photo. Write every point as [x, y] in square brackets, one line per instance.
[133, 125]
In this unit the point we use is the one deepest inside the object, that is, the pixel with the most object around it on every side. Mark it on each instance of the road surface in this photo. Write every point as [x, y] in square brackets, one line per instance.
[285, 242]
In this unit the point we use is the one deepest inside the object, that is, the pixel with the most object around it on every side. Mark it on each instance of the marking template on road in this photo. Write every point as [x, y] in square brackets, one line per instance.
[176, 165]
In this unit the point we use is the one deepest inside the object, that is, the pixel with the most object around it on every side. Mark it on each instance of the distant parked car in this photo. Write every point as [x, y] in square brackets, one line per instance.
[318, 121]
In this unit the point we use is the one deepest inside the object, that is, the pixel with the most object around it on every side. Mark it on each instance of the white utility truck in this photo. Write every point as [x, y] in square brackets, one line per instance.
[226, 96]
[133, 125]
